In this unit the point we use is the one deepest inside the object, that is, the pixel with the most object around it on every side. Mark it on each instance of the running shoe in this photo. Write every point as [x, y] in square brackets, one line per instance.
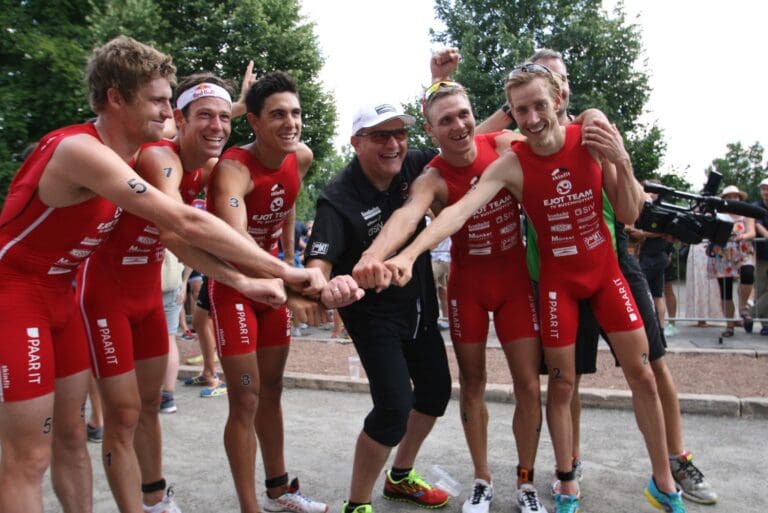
[199, 381]
[167, 505]
[691, 481]
[668, 502]
[480, 500]
[363, 508]
[578, 469]
[670, 330]
[293, 501]
[528, 499]
[95, 434]
[412, 488]
[167, 403]
[566, 503]
[220, 389]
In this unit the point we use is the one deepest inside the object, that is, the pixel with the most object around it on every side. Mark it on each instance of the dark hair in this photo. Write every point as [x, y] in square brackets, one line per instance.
[271, 83]
[199, 78]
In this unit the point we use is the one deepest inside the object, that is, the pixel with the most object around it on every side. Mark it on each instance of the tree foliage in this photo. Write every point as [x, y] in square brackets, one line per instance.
[743, 167]
[41, 84]
[603, 52]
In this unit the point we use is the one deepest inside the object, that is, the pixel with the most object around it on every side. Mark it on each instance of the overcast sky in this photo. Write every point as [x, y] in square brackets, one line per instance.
[706, 63]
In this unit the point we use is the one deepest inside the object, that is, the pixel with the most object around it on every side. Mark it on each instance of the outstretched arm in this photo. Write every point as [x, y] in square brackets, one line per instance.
[502, 173]
[428, 188]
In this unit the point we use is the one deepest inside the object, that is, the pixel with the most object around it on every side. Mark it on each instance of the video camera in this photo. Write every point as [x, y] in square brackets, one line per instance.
[698, 220]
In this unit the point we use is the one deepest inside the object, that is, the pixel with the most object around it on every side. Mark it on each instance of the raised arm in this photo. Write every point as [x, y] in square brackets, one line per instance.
[504, 172]
[249, 77]
[443, 63]
[428, 190]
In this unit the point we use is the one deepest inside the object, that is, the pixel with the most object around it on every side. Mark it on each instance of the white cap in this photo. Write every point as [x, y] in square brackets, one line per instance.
[375, 114]
[764, 182]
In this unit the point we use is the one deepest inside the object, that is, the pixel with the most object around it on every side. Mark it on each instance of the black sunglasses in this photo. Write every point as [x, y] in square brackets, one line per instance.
[382, 136]
[529, 68]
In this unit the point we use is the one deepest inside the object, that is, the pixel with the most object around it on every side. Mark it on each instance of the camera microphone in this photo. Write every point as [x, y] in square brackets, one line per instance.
[657, 188]
[742, 208]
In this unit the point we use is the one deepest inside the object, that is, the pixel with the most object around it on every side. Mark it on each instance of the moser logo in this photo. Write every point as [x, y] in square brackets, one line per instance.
[564, 187]
[371, 213]
[107, 345]
[319, 248]
[560, 238]
[33, 359]
[562, 227]
[277, 204]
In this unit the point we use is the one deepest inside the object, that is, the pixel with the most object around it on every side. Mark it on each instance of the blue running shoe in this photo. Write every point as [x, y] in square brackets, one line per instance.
[566, 503]
[668, 502]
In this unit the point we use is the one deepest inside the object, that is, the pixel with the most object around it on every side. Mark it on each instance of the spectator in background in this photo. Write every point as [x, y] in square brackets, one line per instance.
[761, 247]
[671, 273]
[701, 292]
[441, 265]
[735, 260]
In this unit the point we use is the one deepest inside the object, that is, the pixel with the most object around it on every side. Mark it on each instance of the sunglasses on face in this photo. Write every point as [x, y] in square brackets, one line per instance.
[382, 136]
[529, 68]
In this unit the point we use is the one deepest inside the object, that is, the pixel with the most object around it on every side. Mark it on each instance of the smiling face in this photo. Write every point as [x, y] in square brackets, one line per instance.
[144, 116]
[381, 161]
[534, 106]
[205, 129]
[278, 125]
[451, 124]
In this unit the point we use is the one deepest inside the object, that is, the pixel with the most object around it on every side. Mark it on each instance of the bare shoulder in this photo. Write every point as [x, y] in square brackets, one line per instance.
[304, 157]
[505, 139]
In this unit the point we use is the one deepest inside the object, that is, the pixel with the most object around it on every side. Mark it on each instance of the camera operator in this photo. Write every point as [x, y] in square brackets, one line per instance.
[761, 276]
[735, 259]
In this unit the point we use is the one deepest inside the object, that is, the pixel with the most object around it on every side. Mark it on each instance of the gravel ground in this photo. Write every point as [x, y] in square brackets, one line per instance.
[694, 373]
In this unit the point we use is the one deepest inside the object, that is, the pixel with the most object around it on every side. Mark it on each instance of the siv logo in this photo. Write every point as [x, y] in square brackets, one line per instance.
[107, 344]
[33, 358]
[563, 187]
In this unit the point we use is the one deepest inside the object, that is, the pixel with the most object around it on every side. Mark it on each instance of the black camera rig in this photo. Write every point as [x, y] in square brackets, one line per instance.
[696, 221]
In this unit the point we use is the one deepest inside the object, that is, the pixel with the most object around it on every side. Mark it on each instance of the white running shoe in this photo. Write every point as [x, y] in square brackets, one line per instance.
[480, 500]
[167, 505]
[528, 499]
[293, 501]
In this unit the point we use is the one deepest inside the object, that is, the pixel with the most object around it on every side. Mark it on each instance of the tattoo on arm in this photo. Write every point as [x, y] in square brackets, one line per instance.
[137, 186]
[645, 358]
[47, 425]
[245, 379]
[234, 202]
[168, 171]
